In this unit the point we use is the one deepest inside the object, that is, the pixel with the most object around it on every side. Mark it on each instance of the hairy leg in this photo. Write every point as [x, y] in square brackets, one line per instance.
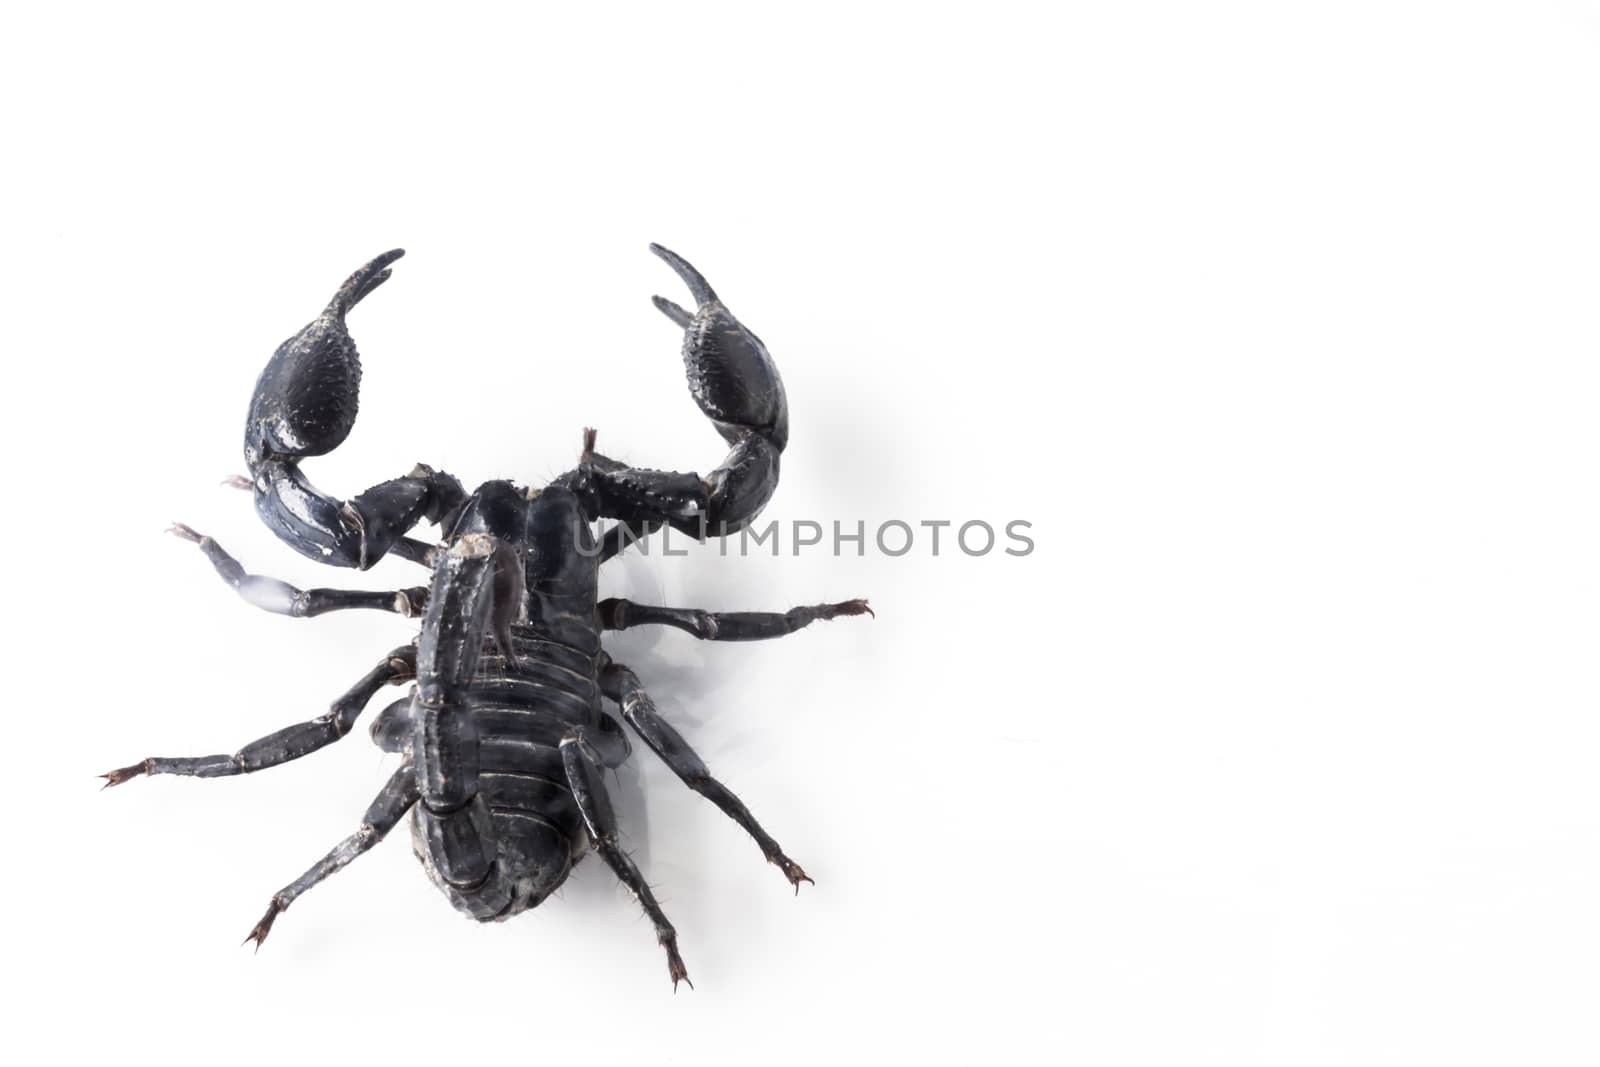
[584, 767]
[384, 815]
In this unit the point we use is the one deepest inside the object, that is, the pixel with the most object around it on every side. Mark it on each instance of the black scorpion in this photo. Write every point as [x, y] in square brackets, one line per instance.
[503, 734]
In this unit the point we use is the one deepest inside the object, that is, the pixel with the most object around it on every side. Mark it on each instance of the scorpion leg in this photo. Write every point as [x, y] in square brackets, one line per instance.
[280, 597]
[736, 384]
[617, 538]
[305, 405]
[384, 815]
[584, 765]
[287, 744]
[617, 614]
[409, 548]
[622, 685]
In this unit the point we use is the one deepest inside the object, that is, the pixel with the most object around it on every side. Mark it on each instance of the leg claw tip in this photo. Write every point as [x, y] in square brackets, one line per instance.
[123, 774]
[259, 932]
[794, 872]
[859, 606]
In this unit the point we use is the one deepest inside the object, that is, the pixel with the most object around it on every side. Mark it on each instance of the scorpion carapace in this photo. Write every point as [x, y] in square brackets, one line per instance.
[504, 736]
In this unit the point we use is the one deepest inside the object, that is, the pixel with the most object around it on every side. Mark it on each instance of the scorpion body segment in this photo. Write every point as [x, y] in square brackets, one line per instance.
[504, 736]
[490, 748]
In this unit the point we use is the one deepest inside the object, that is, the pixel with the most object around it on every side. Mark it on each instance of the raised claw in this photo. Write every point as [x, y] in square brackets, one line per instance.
[731, 375]
[305, 400]
[305, 405]
[736, 384]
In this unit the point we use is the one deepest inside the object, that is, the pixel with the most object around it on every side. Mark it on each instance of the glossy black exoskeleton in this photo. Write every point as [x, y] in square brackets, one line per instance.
[504, 734]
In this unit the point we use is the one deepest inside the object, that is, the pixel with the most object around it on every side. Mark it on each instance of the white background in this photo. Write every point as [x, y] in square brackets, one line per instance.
[1278, 322]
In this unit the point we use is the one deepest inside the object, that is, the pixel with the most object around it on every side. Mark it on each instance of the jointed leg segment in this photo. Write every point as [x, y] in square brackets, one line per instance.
[287, 744]
[584, 767]
[384, 815]
[280, 597]
[622, 685]
[616, 614]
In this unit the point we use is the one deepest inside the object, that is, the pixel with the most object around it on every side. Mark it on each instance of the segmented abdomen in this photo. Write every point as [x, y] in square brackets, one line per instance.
[522, 711]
